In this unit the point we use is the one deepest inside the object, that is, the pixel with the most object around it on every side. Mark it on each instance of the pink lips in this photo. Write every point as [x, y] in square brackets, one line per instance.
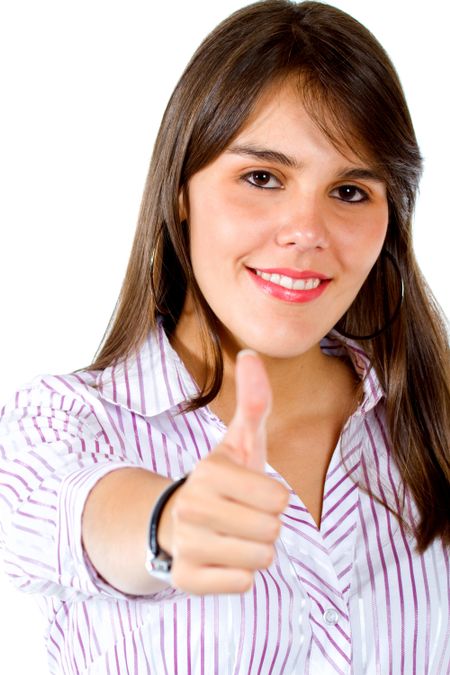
[290, 294]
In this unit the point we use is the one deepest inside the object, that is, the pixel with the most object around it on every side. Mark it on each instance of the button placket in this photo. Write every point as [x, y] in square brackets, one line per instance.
[330, 616]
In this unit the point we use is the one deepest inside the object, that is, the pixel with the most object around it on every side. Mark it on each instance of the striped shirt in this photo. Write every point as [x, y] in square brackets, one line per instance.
[352, 596]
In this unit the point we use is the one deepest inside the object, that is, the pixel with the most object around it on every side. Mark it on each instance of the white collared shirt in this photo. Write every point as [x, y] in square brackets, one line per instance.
[349, 597]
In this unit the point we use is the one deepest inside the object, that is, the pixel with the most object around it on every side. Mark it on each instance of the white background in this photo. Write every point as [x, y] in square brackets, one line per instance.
[84, 85]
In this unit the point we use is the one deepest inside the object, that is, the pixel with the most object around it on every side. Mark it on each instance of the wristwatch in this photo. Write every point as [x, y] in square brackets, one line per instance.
[158, 562]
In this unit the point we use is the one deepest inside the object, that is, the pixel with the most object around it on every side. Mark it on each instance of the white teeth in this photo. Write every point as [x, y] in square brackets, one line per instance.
[289, 282]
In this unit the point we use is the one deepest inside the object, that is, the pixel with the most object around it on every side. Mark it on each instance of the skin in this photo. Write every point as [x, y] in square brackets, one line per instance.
[288, 403]
[304, 217]
[301, 223]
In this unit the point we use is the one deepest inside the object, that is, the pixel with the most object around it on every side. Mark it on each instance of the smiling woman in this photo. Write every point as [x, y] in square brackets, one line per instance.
[256, 211]
[235, 485]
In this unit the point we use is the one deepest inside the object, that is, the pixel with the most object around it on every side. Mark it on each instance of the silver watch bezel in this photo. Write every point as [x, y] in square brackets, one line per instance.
[158, 566]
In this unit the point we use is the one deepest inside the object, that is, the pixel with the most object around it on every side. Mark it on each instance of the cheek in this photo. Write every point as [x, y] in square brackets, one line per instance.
[226, 227]
[360, 245]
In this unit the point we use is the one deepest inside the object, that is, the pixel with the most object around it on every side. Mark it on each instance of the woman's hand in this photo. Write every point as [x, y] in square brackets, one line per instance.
[222, 524]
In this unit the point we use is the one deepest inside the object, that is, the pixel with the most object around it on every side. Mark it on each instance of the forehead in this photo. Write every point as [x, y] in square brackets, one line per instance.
[291, 102]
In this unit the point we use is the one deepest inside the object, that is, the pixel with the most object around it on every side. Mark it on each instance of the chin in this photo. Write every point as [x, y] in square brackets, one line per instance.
[279, 344]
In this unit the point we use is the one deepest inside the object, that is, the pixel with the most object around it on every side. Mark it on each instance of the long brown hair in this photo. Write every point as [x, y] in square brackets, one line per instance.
[351, 90]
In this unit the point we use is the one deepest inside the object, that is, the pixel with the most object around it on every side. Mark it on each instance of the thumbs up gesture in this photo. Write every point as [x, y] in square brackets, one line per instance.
[222, 524]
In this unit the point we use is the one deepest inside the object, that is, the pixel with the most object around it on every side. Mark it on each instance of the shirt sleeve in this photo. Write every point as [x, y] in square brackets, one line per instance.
[53, 450]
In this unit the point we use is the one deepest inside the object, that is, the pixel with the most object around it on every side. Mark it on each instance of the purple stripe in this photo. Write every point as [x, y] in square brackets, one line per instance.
[446, 640]
[41, 460]
[80, 642]
[320, 592]
[392, 540]
[35, 562]
[345, 571]
[306, 537]
[216, 634]
[255, 624]
[185, 419]
[164, 367]
[266, 637]
[340, 522]
[135, 655]
[279, 621]
[294, 507]
[343, 463]
[372, 585]
[344, 536]
[152, 448]
[136, 435]
[306, 523]
[427, 614]
[331, 640]
[343, 479]
[325, 655]
[188, 641]
[127, 383]
[380, 543]
[119, 416]
[315, 576]
[175, 637]
[17, 462]
[9, 487]
[203, 431]
[122, 632]
[140, 382]
[162, 650]
[202, 635]
[241, 634]
[91, 631]
[336, 505]
[289, 616]
[166, 455]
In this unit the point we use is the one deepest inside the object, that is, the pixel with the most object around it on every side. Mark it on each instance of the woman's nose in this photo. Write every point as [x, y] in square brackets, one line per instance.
[303, 225]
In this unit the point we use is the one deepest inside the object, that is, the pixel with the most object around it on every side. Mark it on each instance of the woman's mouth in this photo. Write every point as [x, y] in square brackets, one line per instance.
[290, 285]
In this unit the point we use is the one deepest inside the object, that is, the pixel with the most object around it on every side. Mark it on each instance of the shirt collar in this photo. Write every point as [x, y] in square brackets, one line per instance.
[154, 380]
[151, 381]
[336, 344]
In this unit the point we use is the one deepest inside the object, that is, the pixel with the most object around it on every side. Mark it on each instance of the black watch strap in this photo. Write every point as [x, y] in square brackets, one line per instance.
[158, 561]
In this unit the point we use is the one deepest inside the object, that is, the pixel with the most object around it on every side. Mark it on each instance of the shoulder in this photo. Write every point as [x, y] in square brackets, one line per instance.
[54, 405]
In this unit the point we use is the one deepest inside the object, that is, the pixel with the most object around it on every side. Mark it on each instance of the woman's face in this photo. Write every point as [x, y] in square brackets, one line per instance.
[283, 230]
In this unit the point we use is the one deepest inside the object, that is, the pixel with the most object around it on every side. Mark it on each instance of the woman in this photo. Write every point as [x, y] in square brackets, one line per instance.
[184, 505]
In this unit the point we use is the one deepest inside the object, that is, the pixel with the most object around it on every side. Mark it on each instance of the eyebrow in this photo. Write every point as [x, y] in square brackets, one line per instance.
[264, 154]
[351, 173]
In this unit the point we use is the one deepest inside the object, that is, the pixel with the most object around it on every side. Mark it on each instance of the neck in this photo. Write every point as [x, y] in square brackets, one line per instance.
[306, 386]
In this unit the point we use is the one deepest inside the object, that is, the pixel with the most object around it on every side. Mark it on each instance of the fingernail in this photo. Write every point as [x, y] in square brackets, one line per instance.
[246, 351]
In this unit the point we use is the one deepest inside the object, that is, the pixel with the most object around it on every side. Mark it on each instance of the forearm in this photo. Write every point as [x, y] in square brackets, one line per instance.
[115, 528]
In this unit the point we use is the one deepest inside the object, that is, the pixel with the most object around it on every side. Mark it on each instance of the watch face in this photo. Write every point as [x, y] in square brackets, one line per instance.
[158, 566]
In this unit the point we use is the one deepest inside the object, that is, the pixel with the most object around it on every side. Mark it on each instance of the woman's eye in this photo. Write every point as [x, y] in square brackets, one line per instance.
[351, 194]
[262, 179]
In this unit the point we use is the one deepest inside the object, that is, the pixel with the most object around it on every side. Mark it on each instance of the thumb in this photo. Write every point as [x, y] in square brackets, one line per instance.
[246, 434]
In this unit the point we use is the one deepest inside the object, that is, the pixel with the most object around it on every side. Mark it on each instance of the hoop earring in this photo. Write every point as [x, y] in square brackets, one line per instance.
[394, 315]
[152, 266]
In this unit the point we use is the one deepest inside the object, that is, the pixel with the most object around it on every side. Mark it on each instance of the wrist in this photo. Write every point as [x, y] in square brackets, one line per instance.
[158, 559]
[165, 529]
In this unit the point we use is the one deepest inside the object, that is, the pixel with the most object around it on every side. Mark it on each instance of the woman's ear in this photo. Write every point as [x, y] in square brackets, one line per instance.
[182, 210]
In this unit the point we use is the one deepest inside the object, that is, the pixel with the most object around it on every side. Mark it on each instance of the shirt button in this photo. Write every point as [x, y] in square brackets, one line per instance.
[330, 616]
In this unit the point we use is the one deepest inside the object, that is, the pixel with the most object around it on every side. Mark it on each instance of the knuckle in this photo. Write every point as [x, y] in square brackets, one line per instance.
[273, 529]
[206, 469]
[281, 497]
[245, 582]
[268, 556]
[182, 549]
[178, 577]
[185, 509]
